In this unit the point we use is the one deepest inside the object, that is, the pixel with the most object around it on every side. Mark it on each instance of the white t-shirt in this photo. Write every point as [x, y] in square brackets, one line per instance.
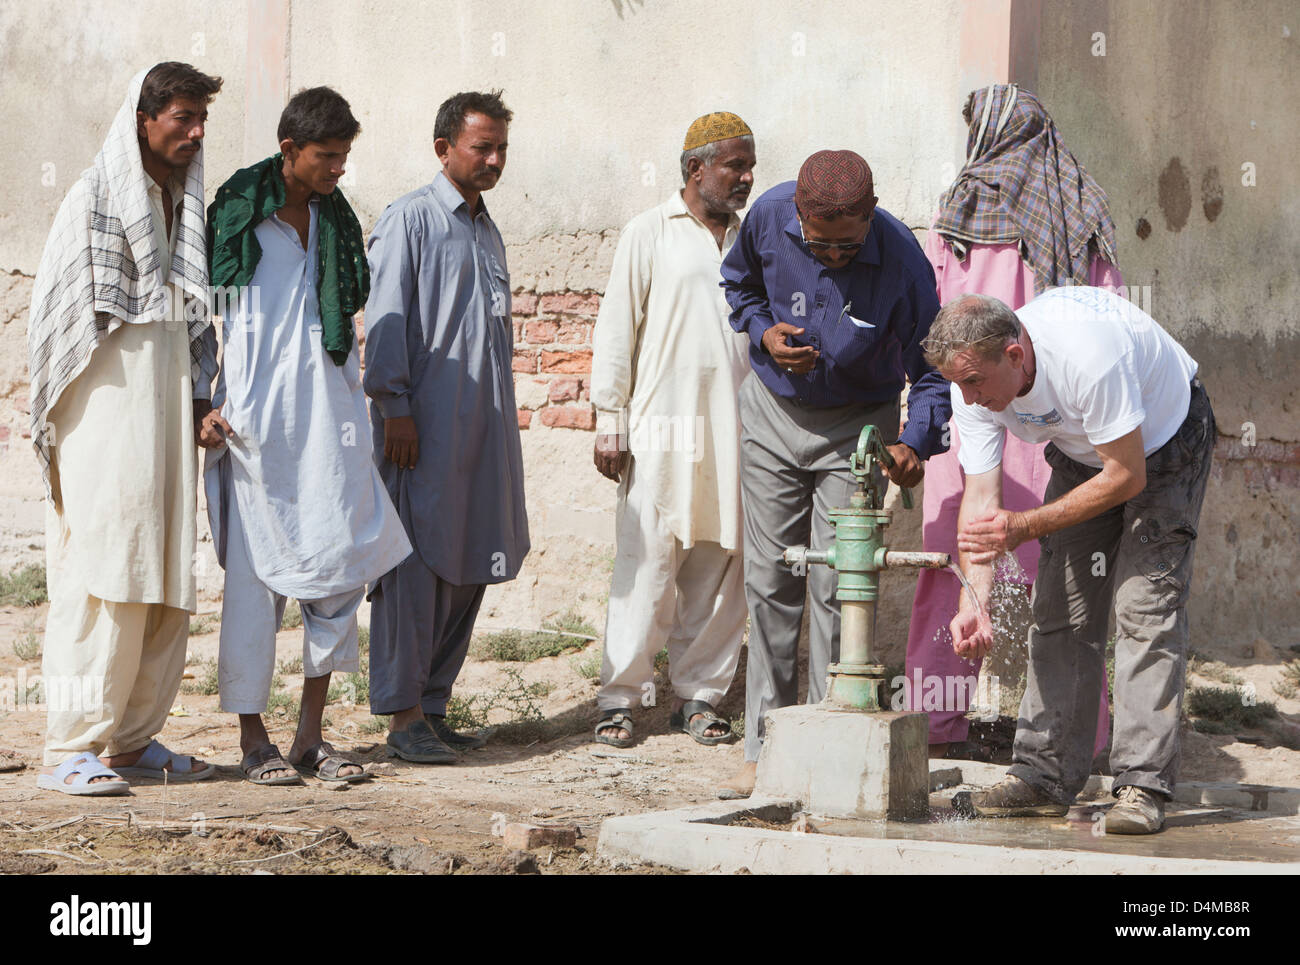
[1103, 368]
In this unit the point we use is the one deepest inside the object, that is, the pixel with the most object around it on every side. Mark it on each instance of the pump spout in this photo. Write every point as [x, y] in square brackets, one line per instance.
[929, 561]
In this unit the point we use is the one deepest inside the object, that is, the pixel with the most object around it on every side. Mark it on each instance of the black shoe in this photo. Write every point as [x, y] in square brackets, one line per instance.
[1013, 798]
[460, 742]
[420, 745]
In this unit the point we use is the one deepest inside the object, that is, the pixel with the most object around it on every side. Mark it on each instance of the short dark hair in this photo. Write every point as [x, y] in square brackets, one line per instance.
[167, 81]
[451, 114]
[315, 115]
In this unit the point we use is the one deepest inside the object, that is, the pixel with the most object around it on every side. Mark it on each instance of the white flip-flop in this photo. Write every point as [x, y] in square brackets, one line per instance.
[85, 766]
[152, 761]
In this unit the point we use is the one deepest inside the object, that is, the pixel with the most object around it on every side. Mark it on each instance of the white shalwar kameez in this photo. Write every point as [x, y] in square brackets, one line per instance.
[296, 505]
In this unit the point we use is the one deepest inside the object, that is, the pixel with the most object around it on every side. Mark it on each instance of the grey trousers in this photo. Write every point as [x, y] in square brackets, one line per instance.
[1140, 554]
[420, 628]
[794, 467]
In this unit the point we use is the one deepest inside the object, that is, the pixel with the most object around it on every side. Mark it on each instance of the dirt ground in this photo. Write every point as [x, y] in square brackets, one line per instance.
[422, 819]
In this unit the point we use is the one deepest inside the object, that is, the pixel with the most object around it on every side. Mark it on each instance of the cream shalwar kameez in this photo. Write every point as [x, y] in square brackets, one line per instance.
[665, 375]
[120, 545]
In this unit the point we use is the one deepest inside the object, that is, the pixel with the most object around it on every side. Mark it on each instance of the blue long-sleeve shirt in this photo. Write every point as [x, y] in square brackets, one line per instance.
[867, 319]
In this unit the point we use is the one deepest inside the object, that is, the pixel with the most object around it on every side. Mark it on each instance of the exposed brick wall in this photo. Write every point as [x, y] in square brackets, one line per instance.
[552, 362]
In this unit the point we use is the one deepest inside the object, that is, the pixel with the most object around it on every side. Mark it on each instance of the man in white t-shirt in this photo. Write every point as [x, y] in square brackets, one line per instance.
[1132, 434]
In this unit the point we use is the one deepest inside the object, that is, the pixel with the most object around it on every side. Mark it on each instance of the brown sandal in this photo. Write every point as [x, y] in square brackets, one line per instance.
[260, 761]
[324, 762]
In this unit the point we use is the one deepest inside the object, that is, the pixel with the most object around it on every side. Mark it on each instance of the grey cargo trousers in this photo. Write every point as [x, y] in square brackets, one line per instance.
[1140, 555]
[794, 468]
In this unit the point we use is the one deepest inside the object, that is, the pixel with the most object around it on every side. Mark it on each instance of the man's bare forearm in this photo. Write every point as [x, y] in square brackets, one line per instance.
[1084, 502]
[982, 496]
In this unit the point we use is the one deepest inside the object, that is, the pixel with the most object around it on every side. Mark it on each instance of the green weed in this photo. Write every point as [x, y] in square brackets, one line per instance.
[205, 623]
[559, 635]
[1213, 670]
[28, 646]
[205, 679]
[1229, 709]
[375, 725]
[1289, 685]
[587, 664]
[290, 665]
[518, 699]
[24, 587]
[292, 616]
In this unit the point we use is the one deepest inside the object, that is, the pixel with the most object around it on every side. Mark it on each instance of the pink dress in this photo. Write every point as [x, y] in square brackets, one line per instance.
[997, 270]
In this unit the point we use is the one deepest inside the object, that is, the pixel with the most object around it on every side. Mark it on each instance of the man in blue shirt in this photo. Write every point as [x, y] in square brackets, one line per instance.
[836, 296]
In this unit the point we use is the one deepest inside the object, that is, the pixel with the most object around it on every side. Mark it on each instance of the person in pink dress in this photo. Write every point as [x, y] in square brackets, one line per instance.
[1021, 217]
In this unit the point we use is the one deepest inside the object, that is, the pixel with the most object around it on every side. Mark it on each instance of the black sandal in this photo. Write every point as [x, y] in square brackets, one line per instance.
[615, 719]
[705, 717]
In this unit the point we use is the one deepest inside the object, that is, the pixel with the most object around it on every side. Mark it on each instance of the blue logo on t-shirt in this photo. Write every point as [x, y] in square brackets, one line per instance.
[1042, 421]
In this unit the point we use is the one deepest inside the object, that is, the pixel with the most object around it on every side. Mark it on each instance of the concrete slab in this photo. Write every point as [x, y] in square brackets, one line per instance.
[729, 836]
[845, 762]
[1246, 797]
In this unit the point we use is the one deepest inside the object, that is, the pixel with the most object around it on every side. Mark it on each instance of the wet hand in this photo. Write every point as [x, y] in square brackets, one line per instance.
[972, 633]
[401, 442]
[795, 359]
[988, 537]
[908, 470]
[611, 456]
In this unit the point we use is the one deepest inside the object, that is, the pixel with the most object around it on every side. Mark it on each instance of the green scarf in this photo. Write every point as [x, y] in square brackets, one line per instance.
[251, 196]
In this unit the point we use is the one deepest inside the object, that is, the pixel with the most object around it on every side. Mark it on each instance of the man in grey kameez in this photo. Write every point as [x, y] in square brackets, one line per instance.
[439, 343]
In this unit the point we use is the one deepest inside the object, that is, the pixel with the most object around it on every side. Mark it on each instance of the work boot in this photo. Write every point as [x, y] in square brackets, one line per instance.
[1139, 811]
[741, 785]
[1013, 798]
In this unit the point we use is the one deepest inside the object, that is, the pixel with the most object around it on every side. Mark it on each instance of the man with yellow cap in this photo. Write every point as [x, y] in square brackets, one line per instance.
[835, 296]
[664, 380]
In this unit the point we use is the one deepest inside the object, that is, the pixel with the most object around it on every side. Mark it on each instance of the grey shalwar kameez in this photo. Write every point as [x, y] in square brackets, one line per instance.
[439, 343]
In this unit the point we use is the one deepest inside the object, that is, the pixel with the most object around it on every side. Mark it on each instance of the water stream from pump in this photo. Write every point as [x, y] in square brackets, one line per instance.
[966, 583]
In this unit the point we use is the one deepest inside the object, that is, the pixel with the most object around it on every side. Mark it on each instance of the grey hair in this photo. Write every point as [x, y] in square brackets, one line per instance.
[980, 323]
[708, 153]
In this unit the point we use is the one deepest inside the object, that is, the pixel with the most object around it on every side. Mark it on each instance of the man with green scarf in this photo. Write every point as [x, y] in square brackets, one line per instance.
[296, 505]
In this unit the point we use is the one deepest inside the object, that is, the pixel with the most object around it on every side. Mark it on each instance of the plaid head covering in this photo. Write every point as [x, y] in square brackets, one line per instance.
[832, 184]
[1021, 183]
[100, 269]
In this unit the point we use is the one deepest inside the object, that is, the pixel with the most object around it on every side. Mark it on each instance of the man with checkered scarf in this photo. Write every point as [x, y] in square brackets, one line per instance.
[122, 354]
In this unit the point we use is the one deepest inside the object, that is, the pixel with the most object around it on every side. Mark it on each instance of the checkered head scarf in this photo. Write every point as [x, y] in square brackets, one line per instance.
[101, 269]
[1020, 183]
[833, 184]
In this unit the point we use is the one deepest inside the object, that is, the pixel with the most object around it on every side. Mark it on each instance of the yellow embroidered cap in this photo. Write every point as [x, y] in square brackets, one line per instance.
[717, 126]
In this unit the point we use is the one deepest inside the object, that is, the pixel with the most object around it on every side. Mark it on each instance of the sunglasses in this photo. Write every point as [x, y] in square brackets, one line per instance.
[827, 247]
[934, 346]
